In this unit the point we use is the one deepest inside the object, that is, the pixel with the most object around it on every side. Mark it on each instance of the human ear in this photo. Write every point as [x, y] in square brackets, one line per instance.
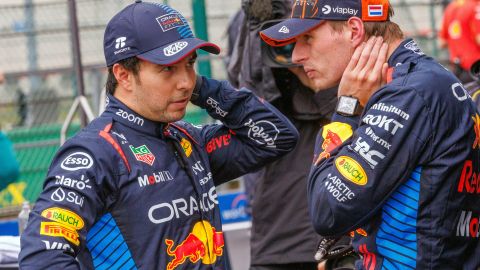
[356, 31]
[124, 77]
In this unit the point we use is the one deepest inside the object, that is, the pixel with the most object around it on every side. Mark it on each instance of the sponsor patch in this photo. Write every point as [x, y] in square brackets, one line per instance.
[468, 225]
[56, 245]
[130, 117]
[262, 132]
[214, 104]
[390, 108]
[56, 229]
[351, 170]
[73, 183]
[338, 189]
[375, 10]
[203, 243]
[170, 21]
[370, 156]
[143, 154]
[460, 92]
[389, 124]
[183, 207]
[334, 134]
[64, 216]
[59, 195]
[369, 132]
[359, 231]
[187, 146]
[77, 161]
[469, 179]
[412, 45]
[327, 9]
[218, 142]
[175, 48]
[154, 178]
[284, 30]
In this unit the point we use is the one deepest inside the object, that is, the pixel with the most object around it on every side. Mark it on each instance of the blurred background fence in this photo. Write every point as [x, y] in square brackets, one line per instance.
[37, 55]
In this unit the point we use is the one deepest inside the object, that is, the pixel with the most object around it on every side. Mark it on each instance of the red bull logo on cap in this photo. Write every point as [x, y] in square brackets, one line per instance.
[204, 243]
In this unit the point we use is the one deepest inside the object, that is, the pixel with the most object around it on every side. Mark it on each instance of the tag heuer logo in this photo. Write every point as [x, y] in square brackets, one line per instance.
[284, 30]
[143, 154]
[326, 9]
[175, 48]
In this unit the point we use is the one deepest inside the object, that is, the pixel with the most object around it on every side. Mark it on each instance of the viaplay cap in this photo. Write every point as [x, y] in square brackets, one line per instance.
[153, 32]
[308, 14]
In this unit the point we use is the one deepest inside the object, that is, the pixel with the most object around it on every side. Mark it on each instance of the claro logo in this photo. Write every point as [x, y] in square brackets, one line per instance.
[130, 117]
[77, 161]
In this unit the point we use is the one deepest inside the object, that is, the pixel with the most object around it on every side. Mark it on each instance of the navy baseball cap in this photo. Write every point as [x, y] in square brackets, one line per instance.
[308, 14]
[152, 32]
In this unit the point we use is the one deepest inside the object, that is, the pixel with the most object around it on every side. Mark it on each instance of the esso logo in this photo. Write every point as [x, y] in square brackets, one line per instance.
[77, 161]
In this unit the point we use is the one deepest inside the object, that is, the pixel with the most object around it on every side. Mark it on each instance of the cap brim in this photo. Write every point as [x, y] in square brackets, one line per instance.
[177, 51]
[285, 32]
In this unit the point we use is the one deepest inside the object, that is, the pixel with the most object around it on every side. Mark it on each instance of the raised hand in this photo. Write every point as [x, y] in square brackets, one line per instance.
[367, 70]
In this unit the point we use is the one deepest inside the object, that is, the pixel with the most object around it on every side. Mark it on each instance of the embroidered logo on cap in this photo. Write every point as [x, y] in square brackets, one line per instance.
[120, 42]
[170, 21]
[175, 48]
[375, 10]
[284, 30]
[326, 9]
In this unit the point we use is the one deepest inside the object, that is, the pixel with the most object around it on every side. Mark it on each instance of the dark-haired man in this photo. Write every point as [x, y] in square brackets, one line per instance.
[136, 188]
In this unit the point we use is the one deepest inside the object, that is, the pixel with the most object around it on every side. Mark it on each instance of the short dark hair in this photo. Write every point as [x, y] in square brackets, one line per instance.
[131, 64]
[388, 30]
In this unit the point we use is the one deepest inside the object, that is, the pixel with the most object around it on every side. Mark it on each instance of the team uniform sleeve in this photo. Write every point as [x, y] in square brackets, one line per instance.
[74, 193]
[252, 132]
[357, 164]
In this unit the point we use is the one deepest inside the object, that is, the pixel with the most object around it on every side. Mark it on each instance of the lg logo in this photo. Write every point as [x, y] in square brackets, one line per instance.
[326, 9]
[120, 42]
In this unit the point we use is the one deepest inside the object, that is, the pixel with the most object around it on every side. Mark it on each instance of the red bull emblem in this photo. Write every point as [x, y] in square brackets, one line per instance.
[476, 127]
[204, 242]
[334, 135]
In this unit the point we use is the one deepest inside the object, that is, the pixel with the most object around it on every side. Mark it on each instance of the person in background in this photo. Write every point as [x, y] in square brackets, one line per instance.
[9, 167]
[460, 33]
[135, 189]
[402, 180]
[282, 235]
[473, 87]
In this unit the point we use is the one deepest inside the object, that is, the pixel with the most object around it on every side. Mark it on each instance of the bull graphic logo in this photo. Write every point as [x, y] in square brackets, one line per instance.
[204, 243]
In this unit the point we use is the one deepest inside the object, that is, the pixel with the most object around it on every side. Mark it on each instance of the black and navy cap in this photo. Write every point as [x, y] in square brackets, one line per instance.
[308, 14]
[153, 32]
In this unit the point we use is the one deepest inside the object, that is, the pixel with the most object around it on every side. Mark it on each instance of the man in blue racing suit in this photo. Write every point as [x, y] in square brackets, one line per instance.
[398, 168]
[135, 189]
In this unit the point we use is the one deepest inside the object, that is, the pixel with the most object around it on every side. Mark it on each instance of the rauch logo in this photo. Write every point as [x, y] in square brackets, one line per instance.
[351, 170]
